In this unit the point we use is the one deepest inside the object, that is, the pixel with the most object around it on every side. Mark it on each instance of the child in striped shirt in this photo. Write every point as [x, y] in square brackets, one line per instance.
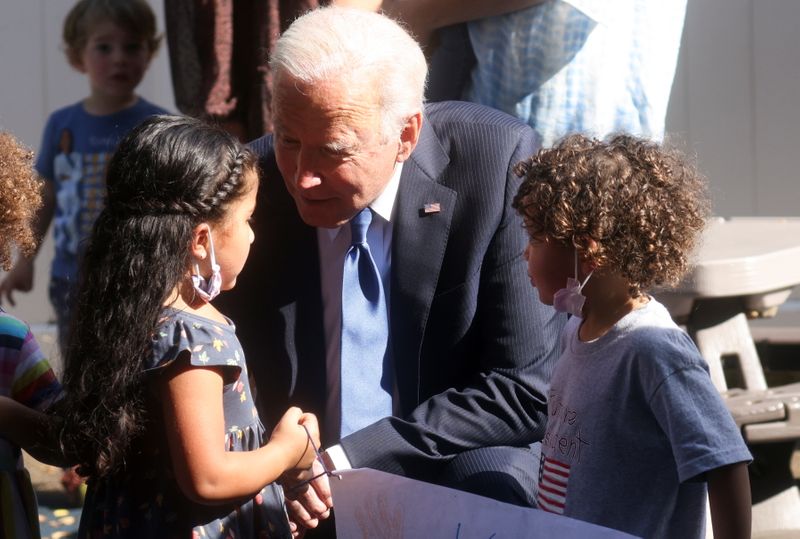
[27, 383]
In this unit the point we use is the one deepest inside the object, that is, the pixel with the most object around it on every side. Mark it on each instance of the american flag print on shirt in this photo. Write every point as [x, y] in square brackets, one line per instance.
[553, 479]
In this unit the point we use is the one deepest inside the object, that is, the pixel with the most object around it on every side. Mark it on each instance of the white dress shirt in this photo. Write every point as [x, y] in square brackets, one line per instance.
[333, 244]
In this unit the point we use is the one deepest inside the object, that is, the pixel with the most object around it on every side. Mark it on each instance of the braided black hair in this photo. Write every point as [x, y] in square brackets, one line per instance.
[168, 175]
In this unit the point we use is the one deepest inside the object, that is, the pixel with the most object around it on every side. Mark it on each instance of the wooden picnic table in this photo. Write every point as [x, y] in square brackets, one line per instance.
[746, 268]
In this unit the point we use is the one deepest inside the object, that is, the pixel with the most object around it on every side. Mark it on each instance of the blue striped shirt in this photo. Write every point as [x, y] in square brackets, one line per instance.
[589, 66]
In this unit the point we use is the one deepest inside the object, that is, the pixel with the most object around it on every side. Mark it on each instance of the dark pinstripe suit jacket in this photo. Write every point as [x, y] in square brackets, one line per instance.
[473, 347]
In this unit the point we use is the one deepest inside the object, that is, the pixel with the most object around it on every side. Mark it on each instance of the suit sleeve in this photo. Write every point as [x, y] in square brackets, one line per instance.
[503, 401]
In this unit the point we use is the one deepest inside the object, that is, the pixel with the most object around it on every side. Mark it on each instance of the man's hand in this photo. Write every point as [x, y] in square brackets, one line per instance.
[19, 278]
[307, 503]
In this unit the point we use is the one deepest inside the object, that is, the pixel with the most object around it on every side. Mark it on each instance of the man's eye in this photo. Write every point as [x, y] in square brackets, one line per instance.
[338, 153]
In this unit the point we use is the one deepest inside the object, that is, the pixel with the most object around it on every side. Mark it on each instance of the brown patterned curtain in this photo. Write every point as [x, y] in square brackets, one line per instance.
[218, 51]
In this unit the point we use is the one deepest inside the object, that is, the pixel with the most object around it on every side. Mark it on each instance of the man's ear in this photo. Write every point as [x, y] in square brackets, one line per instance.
[200, 242]
[409, 136]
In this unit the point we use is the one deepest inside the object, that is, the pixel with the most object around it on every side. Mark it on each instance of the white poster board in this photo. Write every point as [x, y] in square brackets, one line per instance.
[371, 504]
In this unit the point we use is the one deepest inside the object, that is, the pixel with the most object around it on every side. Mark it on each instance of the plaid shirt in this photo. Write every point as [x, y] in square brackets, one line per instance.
[591, 66]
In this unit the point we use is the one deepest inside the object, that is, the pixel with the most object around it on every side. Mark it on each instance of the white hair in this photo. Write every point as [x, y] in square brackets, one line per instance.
[356, 47]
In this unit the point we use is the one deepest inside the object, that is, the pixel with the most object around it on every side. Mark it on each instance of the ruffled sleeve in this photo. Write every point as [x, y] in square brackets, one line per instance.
[209, 343]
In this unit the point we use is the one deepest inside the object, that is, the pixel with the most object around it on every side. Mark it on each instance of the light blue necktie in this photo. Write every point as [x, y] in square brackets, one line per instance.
[366, 382]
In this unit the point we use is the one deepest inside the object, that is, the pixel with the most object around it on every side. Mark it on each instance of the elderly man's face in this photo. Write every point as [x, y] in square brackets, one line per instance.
[329, 149]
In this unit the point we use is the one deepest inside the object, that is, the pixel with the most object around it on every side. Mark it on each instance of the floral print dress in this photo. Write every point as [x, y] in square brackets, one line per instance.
[145, 500]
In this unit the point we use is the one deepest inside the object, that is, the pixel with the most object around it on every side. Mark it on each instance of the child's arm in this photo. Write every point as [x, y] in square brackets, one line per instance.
[21, 275]
[194, 419]
[729, 498]
[31, 430]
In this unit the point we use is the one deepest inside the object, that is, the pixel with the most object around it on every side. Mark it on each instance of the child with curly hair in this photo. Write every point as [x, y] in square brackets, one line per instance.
[27, 383]
[637, 435]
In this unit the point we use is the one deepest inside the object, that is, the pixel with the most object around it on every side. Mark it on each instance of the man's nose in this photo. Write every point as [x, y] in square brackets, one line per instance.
[307, 180]
[306, 176]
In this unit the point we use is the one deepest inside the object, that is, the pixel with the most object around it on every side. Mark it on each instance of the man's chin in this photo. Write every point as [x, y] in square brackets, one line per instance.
[319, 218]
[326, 224]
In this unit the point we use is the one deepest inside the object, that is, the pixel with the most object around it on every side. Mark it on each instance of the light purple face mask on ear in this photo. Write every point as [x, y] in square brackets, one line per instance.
[209, 288]
[569, 299]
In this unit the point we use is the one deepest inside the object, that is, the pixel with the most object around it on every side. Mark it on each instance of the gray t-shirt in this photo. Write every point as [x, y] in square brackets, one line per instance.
[633, 423]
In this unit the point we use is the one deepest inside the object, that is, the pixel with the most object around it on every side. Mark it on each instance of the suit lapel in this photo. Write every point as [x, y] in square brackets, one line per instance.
[419, 241]
[301, 312]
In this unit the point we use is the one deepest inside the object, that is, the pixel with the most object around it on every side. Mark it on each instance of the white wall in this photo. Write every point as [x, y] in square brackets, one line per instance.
[736, 102]
[736, 99]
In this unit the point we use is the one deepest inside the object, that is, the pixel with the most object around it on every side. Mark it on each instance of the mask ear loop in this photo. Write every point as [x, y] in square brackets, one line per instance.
[211, 255]
[207, 289]
[576, 273]
[575, 258]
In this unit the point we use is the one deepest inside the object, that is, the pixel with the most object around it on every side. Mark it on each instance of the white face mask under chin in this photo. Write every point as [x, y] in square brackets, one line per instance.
[569, 299]
[209, 288]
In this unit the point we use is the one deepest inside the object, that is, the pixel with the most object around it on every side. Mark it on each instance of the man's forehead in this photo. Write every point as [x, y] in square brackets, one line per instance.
[326, 130]
[341, 125]
[331, 98]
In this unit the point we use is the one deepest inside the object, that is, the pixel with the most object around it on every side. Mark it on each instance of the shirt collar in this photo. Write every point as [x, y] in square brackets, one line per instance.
[384, 204]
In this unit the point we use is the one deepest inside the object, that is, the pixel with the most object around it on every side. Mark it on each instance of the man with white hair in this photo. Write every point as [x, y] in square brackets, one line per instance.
[443, 375]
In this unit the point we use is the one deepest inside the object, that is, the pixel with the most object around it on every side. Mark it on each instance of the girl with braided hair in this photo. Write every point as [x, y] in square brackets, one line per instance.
[158, 410]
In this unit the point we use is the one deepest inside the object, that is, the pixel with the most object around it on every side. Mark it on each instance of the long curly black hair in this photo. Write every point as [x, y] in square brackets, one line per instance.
[167, 175]
[642, 203]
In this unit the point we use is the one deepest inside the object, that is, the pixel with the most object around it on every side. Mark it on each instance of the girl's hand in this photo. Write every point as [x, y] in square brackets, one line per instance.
[310, 422]
[290, 435]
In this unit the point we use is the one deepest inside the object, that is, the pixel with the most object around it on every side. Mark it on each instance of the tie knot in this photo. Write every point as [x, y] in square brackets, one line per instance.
[359, 225]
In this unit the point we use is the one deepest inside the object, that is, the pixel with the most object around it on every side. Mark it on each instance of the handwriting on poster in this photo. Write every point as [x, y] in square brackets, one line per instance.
[371, 504]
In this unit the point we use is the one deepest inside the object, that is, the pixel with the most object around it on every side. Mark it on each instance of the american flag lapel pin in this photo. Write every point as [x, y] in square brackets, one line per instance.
[433, 207]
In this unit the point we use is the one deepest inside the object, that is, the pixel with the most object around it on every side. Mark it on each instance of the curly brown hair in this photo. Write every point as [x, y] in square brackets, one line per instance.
[20, 199]
[643, 204]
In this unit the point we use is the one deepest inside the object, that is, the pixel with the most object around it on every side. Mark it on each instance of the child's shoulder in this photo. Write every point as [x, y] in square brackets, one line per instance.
[655, 336]
[147, 108]
[128, 118]
[12, 327]
[173, 315]
[63, 118]
[210, 342]
[67, 112]
[76, 112]
[191, 329]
